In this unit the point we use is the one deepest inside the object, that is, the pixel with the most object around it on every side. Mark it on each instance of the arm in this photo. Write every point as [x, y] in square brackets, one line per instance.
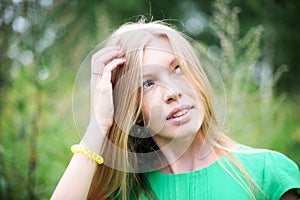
[77, 178]
[290, 195]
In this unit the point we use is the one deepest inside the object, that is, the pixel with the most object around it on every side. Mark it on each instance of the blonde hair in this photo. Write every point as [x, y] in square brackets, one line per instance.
[115, 179]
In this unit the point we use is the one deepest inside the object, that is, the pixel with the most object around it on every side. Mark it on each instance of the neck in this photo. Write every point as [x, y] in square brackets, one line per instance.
[188, 154]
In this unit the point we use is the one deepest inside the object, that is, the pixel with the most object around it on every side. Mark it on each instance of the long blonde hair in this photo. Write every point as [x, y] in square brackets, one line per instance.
[117, 178]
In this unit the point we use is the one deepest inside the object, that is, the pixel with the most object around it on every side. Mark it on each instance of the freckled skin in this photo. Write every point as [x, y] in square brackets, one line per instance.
[167, 89]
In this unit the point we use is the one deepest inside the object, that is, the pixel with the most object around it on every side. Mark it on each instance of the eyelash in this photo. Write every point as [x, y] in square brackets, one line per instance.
[178, 67]
[151, 82]
[147, 82]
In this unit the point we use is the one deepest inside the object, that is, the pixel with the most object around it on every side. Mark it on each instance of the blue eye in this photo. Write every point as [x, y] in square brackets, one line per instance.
[178, 69]
[147, 84]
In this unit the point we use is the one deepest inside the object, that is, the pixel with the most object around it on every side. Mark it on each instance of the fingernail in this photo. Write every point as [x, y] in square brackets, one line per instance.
[123, 58]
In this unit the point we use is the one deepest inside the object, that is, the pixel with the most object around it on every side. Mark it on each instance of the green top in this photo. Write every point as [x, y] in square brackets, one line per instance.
[272, 171]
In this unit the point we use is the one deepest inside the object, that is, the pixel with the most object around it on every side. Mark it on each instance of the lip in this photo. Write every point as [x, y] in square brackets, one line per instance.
[181, 119]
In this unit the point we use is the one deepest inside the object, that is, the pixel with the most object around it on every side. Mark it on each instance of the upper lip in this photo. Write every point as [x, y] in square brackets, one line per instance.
[178, 109]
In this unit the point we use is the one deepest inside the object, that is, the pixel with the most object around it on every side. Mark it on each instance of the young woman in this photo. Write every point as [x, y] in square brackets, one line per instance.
[152, 121]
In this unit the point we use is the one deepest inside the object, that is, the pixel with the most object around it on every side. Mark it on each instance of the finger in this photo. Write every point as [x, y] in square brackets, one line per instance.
[105, 50]
[114, 64]
[108, 56]
[102, 60]
[106, 77]
[105, 54]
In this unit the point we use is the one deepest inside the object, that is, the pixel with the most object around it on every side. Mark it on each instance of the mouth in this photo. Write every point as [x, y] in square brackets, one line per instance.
[179, 112]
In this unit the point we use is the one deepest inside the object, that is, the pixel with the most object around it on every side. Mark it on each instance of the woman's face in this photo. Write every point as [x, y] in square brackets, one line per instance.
[170, 105]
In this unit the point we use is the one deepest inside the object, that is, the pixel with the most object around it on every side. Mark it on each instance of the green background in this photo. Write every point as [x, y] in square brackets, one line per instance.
[254, 44]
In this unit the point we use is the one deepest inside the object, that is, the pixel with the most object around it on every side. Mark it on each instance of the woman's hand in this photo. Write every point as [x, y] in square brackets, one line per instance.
[102, 110]
[102, 99]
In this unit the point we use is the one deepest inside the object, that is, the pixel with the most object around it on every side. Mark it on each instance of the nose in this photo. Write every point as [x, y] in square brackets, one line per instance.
[171, 94]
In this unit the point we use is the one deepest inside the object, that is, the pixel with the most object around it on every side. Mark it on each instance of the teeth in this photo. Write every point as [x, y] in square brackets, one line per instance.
[180, 113]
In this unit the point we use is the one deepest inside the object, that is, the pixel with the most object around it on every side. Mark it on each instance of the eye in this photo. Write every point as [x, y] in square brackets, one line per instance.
[147, 84]
[178, 69]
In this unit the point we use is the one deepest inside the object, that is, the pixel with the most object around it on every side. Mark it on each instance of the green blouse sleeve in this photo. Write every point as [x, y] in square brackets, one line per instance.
[280, 175]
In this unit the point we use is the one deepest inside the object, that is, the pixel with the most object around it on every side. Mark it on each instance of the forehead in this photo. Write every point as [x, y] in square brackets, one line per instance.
[158, 52]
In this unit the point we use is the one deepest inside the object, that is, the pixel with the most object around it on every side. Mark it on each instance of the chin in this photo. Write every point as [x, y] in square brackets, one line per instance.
[178, 133]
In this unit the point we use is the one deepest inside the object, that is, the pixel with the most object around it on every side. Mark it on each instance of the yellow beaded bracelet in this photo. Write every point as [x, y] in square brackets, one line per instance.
[77, 148]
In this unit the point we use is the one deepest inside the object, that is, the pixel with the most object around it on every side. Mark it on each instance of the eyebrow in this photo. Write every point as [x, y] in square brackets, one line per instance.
[174, 60]
[148, 76]
[151, 75]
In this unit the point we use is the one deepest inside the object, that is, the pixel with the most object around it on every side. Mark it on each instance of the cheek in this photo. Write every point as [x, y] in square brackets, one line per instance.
[186, 86]
[154, 115]
[196, 96]
[152, 110]
[145, 111]
[191, 94]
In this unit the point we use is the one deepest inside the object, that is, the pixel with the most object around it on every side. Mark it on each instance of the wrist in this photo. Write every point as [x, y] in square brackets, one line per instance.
[80, 149]
[94, 125]
[93, 137]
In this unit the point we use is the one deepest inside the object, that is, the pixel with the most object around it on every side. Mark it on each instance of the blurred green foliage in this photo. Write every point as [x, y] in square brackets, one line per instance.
[42, 44]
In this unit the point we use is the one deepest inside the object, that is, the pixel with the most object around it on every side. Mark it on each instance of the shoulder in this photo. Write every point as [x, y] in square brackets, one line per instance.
[273, 171]
[264, 157]
[267, 162]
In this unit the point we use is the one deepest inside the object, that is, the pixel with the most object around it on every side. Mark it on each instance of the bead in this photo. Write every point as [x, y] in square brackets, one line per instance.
[77, 148]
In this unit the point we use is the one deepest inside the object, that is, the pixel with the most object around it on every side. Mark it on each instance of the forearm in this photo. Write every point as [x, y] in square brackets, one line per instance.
[76, 180]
